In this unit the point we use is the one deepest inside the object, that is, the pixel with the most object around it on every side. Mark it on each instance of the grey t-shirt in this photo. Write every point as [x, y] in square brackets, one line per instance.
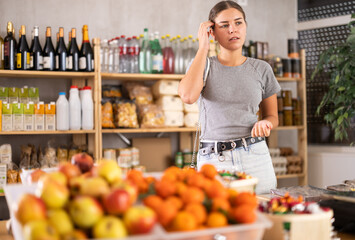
[231, 98]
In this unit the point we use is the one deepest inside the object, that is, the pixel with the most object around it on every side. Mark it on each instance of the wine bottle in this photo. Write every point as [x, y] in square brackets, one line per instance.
[61, 52]
[1, 53]
[69, 40]
[10, 48]
[73, 55]
[86, 56]
[48, 52]
[36, 60]
[23, 51]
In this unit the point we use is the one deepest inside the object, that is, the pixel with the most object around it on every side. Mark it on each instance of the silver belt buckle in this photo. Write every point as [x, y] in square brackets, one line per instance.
[233, 144]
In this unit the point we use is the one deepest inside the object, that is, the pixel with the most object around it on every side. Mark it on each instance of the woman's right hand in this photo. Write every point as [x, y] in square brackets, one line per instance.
[203, 35]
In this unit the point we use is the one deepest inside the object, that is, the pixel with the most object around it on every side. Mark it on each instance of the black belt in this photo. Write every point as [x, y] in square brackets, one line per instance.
[209, 147]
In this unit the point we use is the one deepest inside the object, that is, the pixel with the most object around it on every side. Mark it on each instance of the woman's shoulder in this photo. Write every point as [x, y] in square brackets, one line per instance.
[258, 63]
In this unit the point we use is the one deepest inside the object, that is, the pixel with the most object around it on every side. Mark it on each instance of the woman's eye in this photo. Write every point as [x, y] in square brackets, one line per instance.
[224, 26]
[238, 23]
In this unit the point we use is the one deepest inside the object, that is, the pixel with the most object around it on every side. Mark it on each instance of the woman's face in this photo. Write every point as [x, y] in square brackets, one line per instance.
[230, 29]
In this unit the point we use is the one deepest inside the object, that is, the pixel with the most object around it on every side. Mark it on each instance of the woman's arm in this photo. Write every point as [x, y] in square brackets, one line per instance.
[269, 116]
[191, 84]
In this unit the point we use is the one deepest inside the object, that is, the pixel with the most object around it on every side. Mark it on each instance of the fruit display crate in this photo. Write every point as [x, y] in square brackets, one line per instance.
[254, 231]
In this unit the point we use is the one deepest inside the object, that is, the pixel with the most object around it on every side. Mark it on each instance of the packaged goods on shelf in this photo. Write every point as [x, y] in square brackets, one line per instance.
[141, 94]
[170, 103]
[151, 116]
[62, 112]
[173, 118]
[23, 95]
[39, 116]
[3, 175]
[274, 152]
[125, 114]
[191, 119]
[135, 157]
[4, 94]
[293, 48]
[165, 87]
[287, 67]
[49, 111]
[28, 116]
[62, 154]
[111, 91]
[5, 154]
[12, 173]
[87, 109]
[109, 154]
[13, 94]
[280, 165]
[286, 151]
[294, 164]
[33, 94]
[124, 158]
[191, 108]
[6, 117]
[107, 114]
[17, 116]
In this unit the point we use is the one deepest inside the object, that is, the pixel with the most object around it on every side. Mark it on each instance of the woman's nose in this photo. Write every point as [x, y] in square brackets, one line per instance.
[232, 28]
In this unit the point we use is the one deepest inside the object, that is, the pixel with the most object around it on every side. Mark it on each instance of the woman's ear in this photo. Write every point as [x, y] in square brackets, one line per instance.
[212, 33]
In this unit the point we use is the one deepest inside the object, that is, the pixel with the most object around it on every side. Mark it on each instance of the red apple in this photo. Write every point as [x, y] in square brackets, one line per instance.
[139, 219]
[85, 211]
[30, 208]
[129, 187]
[117, 201]
[83, 160]
[35, 175]
[69, 170]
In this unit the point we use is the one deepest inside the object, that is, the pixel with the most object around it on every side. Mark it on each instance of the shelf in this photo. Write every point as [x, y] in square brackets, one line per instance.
[47, 132]
[289, 128]
[286, 176]
[44, 74]
[2, 194]
[150, 130]
[288, 79]
[140, 76]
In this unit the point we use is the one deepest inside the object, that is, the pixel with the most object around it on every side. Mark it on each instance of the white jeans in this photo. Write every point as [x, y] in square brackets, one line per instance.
[254, 160]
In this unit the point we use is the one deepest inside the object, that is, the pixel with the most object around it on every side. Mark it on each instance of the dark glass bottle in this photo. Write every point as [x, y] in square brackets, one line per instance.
[48, 52]
[86, 56]
[73, 55]
[36, 61]
[61, 52]
[23, 51]
[10, 47]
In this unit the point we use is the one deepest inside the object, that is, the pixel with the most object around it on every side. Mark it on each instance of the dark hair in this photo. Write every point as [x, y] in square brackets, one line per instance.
[223, 5]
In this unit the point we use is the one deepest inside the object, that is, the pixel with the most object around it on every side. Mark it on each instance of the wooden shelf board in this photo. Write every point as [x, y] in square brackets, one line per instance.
[2, 194]
[288, 79]
[47, 132]
[290, 176]
[288, 128]
[140, 76]
[150, 130]
[44, 74]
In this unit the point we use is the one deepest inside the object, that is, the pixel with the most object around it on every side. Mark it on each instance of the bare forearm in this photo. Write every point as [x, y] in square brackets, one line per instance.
[273, 119]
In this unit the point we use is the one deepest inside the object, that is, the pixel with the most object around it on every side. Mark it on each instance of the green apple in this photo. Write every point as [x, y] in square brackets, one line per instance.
[30, 208]
[60, 219]
[109, 170]
[40, 230]
[94, 187]
[85, 211]
[54, 194]
[139, 219]
[109, 227]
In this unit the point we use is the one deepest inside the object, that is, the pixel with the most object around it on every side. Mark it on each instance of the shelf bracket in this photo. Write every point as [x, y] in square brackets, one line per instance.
[159, 135]
[124, 139]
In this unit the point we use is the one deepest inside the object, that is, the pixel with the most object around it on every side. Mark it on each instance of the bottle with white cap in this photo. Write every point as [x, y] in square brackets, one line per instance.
[62, 112]
[74, 109]
[87, 104]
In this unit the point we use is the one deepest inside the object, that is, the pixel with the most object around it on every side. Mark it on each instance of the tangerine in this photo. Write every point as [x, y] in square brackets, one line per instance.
[245, 198]
[153, 201]
[196, 180]
[216, 219]
[176, 201]
[184, 221]
[165, 189]
[198, 211]
[209, 171]
[243, 214]
[193, 195]
[221, 204]
[217, 190]
[166, 213]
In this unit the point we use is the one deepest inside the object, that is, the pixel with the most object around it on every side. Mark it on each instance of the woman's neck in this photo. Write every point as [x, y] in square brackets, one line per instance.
[231, 58]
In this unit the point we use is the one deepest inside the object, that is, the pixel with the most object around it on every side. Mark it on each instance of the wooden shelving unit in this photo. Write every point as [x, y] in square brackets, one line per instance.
[47, 132]
[150, 130]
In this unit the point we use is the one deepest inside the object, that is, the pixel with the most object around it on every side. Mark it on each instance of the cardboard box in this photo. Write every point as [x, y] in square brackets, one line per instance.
[154, 153]
[23, 95]
[6, 117]
[49, 114]
[174, 118]
[33, 94]
[17, 116]
[13, 94]
[4, 94]
[170, 103]
[29, 116]
[39, 116]
[165, 87]
[3, 175]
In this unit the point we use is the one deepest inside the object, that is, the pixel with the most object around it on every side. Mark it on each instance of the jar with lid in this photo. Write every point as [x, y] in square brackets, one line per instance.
[287, 97]
[287, 67]
[278, 67]
[287, 116]
[179, 160]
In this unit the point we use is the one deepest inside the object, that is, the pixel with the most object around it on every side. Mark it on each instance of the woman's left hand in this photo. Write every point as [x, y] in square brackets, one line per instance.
[261, 129]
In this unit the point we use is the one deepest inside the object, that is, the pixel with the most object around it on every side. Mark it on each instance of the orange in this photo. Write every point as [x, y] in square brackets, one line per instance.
[232, 194]
[220, 204]
[180, 188]
[216, 219]
[165, 189]
[153, 201]
[207, 184]
[169, 177]
[193, 195]
[142, 187]
[217, 190]
[245, 198]
[176, 201]
[149, 179]
[173, 170]
[166, 213]
[184, 221]
[186, 172]
[209, 171]
[198, 211]
[243, 214]
[135, 176]
[196, 180]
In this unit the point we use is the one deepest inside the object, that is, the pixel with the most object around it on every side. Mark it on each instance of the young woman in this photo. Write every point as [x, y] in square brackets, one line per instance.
[232, 138]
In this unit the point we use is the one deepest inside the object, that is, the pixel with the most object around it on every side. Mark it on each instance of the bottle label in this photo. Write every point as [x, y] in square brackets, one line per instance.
[92, 64]
[70, 62]
[57, 62]
[2, 52]
[40, 62]
[6, 49]
[47, 62]
[18, 60]
[158, 62]
[28, 60]
[31, 61]
[82, 63]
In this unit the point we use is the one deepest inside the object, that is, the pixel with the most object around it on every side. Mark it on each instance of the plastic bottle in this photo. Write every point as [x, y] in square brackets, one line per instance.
[179, 61]
[157, 55]
[116, 55]
[62, 112]
[87, 106]
[129, 55]
[168, 56]
[135, 47]
[145, 55]
[104, 54]
[74, 109]
[122, 44]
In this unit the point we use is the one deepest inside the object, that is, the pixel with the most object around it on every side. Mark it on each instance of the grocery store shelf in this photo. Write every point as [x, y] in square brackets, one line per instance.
[2, 194]
[140, 76]
[45, 74]
[290, 176]
[288, 79]
[288, 128]
[148, 130]
[47, 132]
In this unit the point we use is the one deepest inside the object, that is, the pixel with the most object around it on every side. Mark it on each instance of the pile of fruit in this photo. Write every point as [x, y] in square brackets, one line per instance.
[186, 200]
[82, 201]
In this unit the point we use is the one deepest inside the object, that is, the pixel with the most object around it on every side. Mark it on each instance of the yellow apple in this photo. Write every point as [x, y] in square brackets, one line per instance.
[109, 227]
[139, 219]
[39, 230]
[109, 170]
[30, 208]
[76, 234]
[85, 211]
[94, 187]
[54, 194]
[60, 220]
[59, 177]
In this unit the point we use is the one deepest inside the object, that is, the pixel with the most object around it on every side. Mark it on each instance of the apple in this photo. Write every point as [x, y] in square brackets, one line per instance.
[75, 184]
[139, 219]
[117, 201]
[130, 187]
[55, 176]
[76, 234]
[35, 175]
[109, 227]
[60, 220]
[39, 230]
[94, 187]
[69, 170]
[30, 208]
[85, 211]
[83, 160]
[109, 170]
[54, 194]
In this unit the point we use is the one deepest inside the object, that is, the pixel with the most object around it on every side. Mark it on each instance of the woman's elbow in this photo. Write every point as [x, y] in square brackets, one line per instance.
[186, 98]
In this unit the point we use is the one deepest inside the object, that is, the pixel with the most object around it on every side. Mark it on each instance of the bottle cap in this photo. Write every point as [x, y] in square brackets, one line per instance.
[87, 88]
[74, 86]
[62, 93]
